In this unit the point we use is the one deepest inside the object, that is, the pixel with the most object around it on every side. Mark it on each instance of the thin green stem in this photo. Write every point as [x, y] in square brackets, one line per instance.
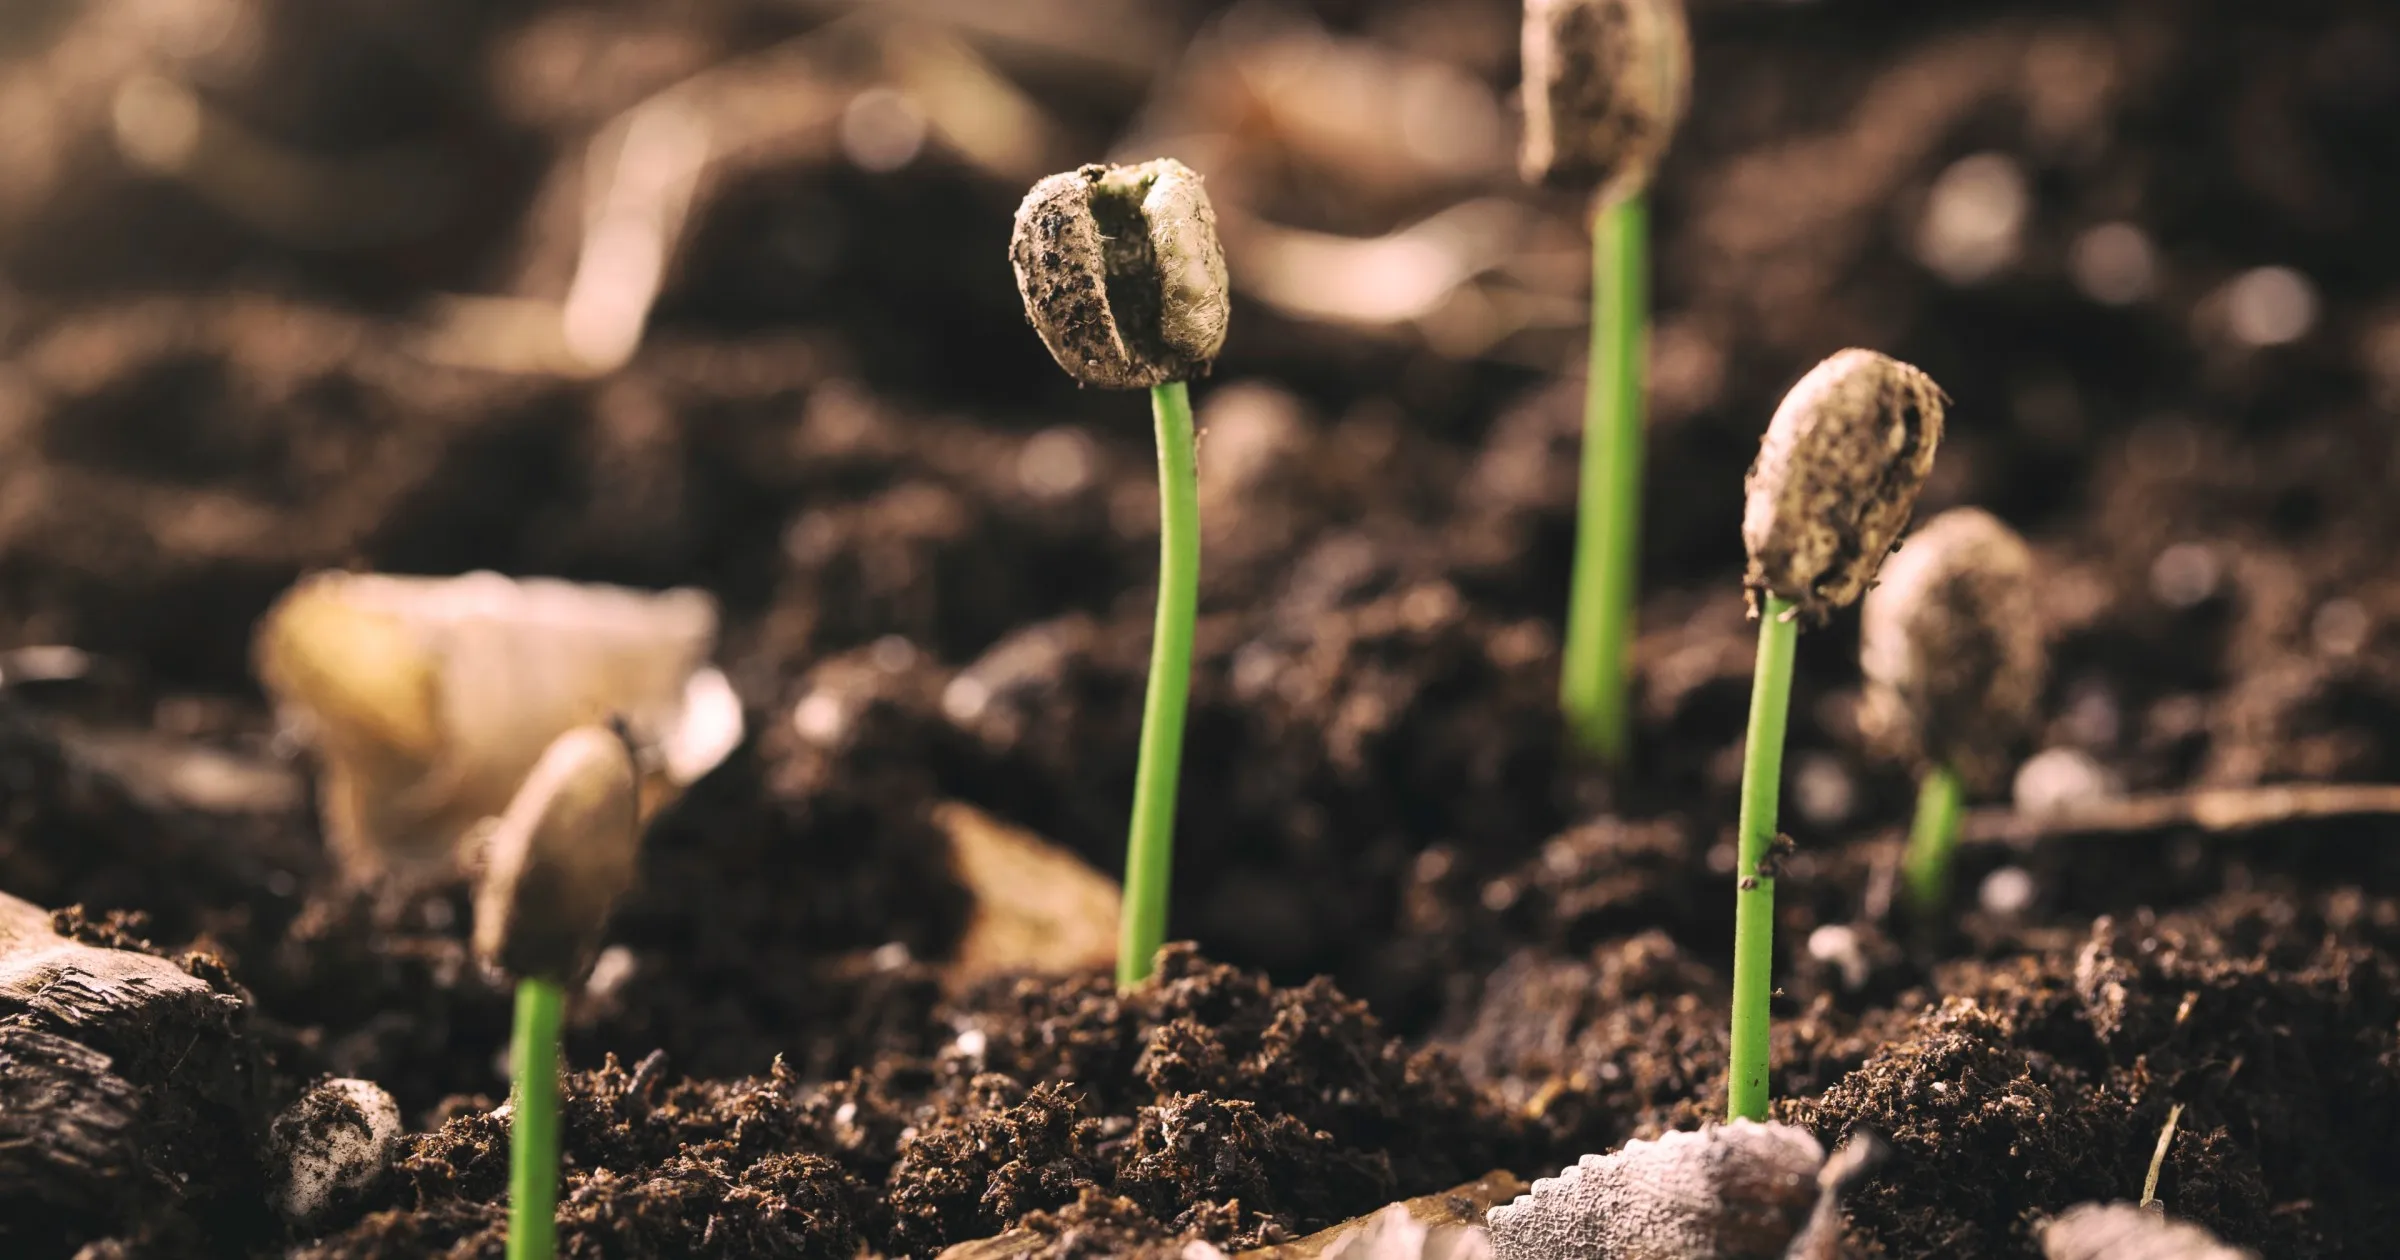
[1754, 896]
[1930, 840]
[1150, 848]
[533, 1130]
[1596, 661]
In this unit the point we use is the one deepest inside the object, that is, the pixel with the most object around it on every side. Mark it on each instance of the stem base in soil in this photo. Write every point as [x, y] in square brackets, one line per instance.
[533, 1125]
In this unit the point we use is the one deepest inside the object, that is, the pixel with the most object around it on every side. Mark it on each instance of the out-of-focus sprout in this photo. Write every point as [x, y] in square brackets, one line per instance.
[553, 866]
[1606, 82]
[1833, 484]
[1124, 279]
[1953, 665]
[429, 699]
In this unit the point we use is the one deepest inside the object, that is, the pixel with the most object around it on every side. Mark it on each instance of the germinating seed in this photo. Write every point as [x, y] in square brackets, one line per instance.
[559, 858]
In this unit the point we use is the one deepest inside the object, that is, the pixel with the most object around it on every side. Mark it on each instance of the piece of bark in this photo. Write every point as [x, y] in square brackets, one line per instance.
[78, 989]
[69, 1130]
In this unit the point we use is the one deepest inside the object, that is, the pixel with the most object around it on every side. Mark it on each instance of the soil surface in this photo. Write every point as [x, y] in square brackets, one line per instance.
[1429, 941]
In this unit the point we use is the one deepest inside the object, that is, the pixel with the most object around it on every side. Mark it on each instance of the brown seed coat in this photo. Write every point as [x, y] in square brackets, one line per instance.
[1836, 478]
[1949, 648]
[1606, 82]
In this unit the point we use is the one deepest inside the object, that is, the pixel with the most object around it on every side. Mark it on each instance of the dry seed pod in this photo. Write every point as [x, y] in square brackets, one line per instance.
[1122, 274]
[1606, 82]
[2124, 1231]
[1739, 1191]
[1949, 648]
[430, 698]
[1836, 477]
[557, 861]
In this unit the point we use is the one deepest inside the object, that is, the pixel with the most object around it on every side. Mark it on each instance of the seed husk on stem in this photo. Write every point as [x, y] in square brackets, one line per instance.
[1123, 277]
[1835, 480]
[1605, 84]
[554, 865]
[1953, 664]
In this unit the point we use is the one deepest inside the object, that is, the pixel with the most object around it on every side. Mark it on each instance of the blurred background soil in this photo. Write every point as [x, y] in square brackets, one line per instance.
[715, 293]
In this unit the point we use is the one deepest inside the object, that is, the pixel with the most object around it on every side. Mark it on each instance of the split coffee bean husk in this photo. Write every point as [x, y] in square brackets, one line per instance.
[1950, 650]
[558, 860]
[1606, 83]
[1122, 273]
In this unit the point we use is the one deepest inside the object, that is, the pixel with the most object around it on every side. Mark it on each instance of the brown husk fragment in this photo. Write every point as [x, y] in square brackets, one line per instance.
[1835, 479]
[558, 860]
[1122, 273]
[1950, 647]
[2126, 1231]
[1606, 82]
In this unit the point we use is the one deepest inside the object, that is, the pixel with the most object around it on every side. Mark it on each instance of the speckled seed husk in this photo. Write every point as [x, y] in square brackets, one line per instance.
[557, 861]
[1122, 273]
[1738, 1191]
[1949, 648]
[2126, 1231]
[1606, 82]
[1836, 478]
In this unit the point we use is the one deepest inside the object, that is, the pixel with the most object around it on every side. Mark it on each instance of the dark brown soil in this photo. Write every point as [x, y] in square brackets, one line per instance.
[841, 427]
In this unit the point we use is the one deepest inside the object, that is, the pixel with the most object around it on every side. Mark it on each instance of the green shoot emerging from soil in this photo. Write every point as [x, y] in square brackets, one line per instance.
[1835, 479]
[1952, 660]
[1605, 84]
[1124, 279]
[553, 866]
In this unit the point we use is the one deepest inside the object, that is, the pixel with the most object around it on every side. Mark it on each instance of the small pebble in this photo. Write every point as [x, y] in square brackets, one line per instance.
[2062, 780]
[2008, 892]
[1974, 217]
[1839, 946]
[338, 1137]
[2185, 574]
[2270, 306]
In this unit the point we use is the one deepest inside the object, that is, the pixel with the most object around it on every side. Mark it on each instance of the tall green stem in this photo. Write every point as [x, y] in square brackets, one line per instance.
[533, 1130]
[1150, 848]
[1595, 665]
[1754, 896]
[1931, 839]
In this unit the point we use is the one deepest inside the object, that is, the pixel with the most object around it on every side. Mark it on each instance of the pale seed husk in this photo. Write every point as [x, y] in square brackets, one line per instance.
[558, 860]
[1836, 478]
[1122, 273]
[1606, 83]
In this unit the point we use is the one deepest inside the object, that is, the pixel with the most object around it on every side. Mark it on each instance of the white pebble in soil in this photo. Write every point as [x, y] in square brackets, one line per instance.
[2008, 892]
[339, 1137]
[2061, 780]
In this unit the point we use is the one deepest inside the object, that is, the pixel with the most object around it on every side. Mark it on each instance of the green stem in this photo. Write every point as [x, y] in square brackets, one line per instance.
[1931, 839]
[1150, 848]
[1754, 896]
[533, 1132]
[1596, 661]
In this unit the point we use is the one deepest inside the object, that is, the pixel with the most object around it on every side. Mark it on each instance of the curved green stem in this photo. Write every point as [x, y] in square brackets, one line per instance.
[1930, 840]
[1595, 664]
[533, 1127]
[1150, 848]
[1754, 884]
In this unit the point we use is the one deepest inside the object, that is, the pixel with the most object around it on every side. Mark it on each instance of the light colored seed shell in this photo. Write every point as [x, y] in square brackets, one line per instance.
[558, 860]
[1949, 648]
[1738, 1190]
[1122, 273]
[1836, 478]
[1606, 83]
[2125, 1231]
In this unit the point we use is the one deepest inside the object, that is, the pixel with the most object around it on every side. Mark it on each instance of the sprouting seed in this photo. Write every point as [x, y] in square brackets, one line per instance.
[1123, 277]
[1834, 482]
[1605, 85]
[554, 865]
[1953, 666]
[1122, 273]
